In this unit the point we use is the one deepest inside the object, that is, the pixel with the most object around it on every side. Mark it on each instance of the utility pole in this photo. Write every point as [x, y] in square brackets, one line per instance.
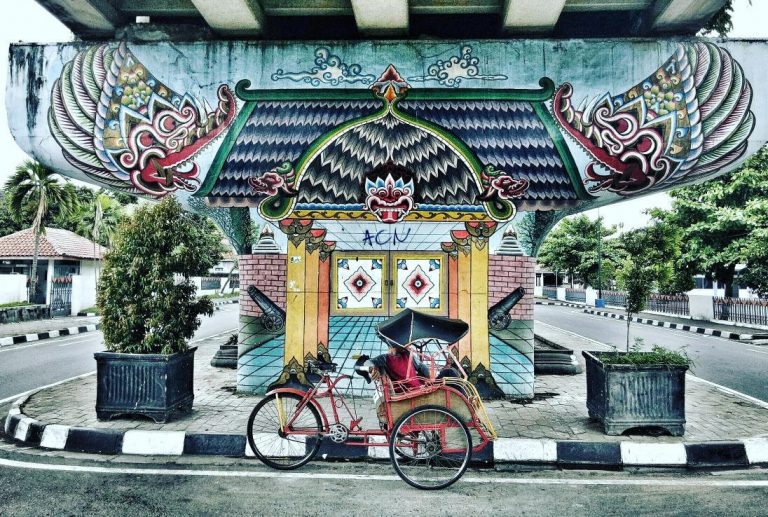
[599, 256]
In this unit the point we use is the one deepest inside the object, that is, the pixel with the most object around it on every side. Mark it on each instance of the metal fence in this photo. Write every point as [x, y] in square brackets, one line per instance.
[615, 298]
[61, 296]
[576, 295]
[753, 311]
[668, 304]
[550, 292]
[234, 282]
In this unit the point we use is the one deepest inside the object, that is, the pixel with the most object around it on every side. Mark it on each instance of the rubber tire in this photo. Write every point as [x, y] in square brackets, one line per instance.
[306, 459]
[393, 451]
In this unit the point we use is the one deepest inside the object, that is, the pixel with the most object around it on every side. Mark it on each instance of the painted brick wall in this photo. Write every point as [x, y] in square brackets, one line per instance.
[265, 271]
[505, 273]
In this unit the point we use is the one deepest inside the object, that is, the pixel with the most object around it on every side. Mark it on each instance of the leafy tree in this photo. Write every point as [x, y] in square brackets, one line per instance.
[661, 253]
[721, 23]
[722, 222]
[146, 296]
[123, 198]
[8, 223]
[579, 247]
[33, 187]
[636, 274]
[756, 249]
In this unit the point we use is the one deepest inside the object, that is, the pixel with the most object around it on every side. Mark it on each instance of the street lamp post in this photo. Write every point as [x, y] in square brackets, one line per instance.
[599, 256]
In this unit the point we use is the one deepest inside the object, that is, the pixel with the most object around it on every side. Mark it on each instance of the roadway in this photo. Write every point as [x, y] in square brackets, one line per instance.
[35, 485]
[736, 365]
[32, 365]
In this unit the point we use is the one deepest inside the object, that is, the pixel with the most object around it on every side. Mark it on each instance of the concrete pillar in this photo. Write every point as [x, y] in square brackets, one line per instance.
[561, 294]
[48, 281]
[701, 306]
[591, 295]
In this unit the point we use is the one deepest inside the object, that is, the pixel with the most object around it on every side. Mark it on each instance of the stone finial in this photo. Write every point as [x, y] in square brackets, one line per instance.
[509, 244]
[267, 243]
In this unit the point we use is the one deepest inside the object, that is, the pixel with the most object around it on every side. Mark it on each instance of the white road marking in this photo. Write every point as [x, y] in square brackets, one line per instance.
[14, 397]
[18, 395]
[53, 341]
[683, 333]
[538, 322]
[212, 336]
[690, 375]
[730, 391]
[378, 477]
[74, 342]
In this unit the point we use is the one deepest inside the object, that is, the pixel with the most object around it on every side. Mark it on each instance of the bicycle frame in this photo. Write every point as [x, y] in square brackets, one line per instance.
[326, 389]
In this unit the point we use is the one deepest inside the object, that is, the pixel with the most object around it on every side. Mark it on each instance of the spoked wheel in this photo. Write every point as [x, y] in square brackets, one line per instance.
[430, 447]
[275, 447]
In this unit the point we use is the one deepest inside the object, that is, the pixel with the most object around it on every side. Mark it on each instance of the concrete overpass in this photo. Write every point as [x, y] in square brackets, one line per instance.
[356, 19]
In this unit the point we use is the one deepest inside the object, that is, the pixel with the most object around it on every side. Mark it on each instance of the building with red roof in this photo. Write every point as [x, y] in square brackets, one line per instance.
[67, 269]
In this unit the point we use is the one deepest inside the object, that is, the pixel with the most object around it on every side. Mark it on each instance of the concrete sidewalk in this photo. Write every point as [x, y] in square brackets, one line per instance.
[552, 424]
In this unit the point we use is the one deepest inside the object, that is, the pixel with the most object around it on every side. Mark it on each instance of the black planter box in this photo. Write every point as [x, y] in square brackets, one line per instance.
[152, 385]
[624, 396]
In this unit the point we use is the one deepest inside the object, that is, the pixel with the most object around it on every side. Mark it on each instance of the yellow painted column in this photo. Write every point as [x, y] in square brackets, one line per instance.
[295, 302]
[311, 292]
[465, 303]
[478, 323]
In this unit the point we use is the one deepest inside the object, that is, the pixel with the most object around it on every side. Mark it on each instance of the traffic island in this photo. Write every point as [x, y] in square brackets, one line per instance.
[553, 429]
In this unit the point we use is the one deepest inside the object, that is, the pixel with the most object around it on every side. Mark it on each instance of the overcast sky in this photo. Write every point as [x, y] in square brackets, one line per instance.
[27, 21]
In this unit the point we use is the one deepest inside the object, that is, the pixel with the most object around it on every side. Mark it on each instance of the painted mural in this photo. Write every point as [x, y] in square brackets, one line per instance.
[387, 169]
[125, 129]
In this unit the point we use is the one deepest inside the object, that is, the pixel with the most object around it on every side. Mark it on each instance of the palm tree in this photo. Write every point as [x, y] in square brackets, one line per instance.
[99, 217]
[34, 188]
[105, 212]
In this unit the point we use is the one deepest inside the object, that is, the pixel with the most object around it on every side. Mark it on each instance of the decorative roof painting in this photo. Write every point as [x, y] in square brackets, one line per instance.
[344, 143]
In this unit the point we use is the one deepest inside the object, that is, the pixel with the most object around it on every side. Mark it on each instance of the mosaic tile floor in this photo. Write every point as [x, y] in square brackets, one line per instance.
[512, 358]
[352, 336]
[259, 368]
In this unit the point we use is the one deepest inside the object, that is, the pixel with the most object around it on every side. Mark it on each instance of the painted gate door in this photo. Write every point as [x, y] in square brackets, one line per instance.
[383, 283]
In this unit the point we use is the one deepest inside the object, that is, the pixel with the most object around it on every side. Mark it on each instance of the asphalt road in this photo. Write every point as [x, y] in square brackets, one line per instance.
[248, 488]
[736, 365]
[32, 365]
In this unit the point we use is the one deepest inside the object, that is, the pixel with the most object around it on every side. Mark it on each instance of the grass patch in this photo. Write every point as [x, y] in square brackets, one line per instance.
[93, 309]
[224, 296]
[14, 304]
[657, 355]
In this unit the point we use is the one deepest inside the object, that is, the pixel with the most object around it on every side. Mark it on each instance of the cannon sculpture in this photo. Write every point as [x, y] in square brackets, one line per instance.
[273, 317]
[498, 314]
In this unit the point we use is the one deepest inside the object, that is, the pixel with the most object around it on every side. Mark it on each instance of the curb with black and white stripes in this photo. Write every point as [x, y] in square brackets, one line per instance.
[217, 303]
[522, 451]
[26, 338]
[679, 326]
[563, 304]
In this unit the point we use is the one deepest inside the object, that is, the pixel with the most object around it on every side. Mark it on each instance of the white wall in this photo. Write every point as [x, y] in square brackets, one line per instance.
[13, 288]
[84, 286]
[48, 280]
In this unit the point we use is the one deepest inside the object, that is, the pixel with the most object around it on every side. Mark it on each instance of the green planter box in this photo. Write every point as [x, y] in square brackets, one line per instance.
[152, 385]
[624, 396]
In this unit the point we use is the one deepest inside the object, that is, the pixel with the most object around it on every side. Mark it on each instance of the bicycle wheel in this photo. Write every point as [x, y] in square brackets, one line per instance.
[430, 447]
[276, 448]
